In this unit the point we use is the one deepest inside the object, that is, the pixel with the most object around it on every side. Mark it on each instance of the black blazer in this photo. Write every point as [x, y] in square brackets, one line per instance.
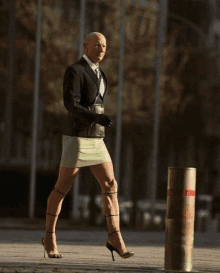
[80, 88]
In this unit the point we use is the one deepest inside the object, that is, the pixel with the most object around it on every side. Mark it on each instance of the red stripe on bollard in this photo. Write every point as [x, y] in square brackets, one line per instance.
[180, 192]
[180, 219]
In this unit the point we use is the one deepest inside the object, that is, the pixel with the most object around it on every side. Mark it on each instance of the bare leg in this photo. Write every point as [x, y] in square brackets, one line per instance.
[54, 204]
[105, 176]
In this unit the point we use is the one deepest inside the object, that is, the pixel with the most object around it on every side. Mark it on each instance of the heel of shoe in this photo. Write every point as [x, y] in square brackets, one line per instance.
[110, 247]
[113, 259]
[42, 241]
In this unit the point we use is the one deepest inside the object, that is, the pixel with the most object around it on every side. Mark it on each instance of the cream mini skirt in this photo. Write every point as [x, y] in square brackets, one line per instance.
[81, 152]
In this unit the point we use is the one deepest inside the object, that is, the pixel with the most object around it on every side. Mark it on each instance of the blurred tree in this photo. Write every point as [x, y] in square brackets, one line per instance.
[189, 83]
[58, 37]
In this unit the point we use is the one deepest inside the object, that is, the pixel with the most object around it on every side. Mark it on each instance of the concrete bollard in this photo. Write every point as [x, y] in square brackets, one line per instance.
[180, 217]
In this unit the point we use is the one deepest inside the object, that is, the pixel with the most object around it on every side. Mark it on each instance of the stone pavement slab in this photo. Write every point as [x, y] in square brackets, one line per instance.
[84, 251]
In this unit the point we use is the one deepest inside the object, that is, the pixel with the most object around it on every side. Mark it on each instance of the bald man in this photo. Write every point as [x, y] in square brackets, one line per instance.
[84, 94]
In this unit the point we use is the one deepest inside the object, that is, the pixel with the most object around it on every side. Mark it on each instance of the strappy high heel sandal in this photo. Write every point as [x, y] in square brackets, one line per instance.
[42, 241]
[124, 255]
[57, 255]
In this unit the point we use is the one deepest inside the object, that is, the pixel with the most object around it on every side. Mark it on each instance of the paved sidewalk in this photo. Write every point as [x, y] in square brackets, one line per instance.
[84, 251]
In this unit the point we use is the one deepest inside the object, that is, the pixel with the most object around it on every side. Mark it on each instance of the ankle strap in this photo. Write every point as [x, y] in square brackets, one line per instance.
[52, 214]
[113, 232]
[59, 191]
[109, 192]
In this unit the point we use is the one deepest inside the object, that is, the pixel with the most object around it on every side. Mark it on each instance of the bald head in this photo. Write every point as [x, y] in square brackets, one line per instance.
[93, 35]
[95, 47]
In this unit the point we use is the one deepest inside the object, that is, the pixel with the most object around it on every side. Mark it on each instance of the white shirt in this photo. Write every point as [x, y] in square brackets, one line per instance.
[94, 67]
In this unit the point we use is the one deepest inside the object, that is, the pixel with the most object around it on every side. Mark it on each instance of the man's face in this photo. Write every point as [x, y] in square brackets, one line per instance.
[95, 48]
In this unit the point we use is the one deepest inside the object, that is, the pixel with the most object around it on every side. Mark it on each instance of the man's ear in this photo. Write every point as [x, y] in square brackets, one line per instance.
[84, 47]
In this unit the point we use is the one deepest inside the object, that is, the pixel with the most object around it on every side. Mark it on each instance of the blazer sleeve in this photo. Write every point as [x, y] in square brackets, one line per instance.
[72, 85]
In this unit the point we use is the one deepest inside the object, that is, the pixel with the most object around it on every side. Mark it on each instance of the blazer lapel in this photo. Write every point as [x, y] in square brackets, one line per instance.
[93, 75]
[90, 71]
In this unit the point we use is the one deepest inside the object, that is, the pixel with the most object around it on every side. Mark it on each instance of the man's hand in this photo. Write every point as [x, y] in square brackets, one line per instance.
[104, 120]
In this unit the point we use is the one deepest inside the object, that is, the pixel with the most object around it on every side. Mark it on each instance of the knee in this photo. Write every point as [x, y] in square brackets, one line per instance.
[111, 185]
[55, 195]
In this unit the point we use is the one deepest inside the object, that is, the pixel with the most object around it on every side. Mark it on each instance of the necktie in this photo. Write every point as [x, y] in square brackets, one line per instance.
[99, 75]
[97, 71]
